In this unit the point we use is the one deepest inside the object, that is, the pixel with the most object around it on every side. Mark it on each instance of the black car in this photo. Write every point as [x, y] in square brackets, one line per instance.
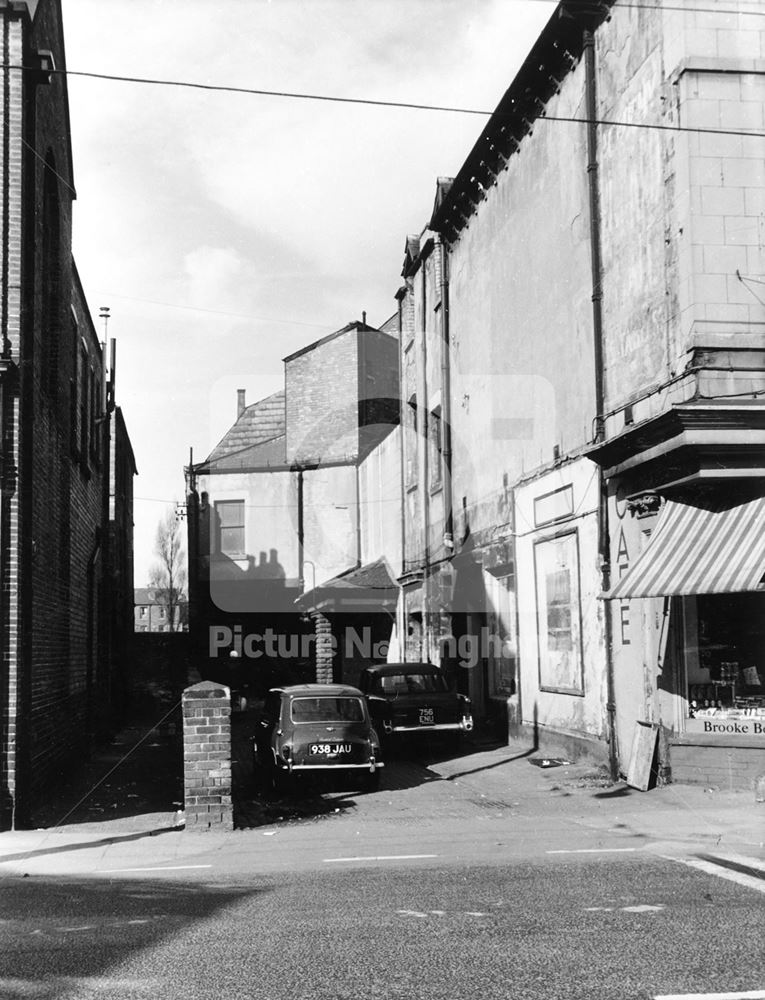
[316, 729]
[414, 698]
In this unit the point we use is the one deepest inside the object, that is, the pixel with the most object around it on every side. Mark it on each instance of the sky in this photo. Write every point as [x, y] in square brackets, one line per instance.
[225, 231]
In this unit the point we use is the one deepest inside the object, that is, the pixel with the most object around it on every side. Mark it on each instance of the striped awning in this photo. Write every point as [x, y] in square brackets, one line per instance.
[698, 550]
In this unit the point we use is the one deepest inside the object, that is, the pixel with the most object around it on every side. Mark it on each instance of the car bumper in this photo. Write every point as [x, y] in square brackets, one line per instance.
[371, 766]
[463, 726]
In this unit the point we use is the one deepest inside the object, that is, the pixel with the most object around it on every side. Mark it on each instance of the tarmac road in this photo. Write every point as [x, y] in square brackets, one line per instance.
[581, 927]
[472, 875]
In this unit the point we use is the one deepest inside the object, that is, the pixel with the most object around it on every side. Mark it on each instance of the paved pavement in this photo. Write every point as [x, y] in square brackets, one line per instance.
[125, 807]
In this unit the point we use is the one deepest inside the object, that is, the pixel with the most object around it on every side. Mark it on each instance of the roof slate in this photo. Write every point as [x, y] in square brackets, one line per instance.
[259, 423]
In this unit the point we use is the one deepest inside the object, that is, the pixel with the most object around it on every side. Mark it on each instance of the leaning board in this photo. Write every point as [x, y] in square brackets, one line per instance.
[641, 758]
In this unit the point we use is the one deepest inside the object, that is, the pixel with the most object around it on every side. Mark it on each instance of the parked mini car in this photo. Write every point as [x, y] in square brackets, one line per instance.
[414, 698]
[314, 729]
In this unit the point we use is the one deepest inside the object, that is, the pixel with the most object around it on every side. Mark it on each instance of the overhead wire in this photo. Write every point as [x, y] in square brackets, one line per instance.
[406, 105]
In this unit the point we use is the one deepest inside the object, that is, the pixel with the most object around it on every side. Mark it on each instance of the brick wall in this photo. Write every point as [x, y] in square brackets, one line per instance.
[207, 757]
[717, 766]
[322, 394]
[54, 517]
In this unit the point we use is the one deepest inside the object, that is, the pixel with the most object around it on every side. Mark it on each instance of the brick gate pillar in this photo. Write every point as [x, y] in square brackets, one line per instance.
[325, 648]
[207, 757]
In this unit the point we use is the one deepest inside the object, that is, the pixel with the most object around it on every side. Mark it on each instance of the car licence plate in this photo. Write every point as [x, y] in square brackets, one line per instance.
[329, 749]
[427, 717]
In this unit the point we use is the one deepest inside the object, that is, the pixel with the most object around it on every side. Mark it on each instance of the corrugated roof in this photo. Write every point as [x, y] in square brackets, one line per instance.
[259, 423]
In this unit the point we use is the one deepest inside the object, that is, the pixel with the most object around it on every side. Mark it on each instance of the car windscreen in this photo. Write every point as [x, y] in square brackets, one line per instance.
[393, 684]
[325, 709]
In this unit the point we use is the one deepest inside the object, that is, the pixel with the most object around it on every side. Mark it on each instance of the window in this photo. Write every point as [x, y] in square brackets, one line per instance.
[161, 612]
[411, 441]
[50, 279]
[230, 521]
[93, 416]
[84, 396]
[435, 452]
[74, 393]
[143, 611]
[556, 562]
[327, 710]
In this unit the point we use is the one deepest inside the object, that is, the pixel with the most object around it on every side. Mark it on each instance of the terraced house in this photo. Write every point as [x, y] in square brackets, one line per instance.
[583, 368]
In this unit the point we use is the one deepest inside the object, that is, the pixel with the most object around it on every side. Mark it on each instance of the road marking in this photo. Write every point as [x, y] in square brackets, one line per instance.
[638, 908]
[166, 868]
[740, 878]
[382, 857]
[595, 850]
[737, 995]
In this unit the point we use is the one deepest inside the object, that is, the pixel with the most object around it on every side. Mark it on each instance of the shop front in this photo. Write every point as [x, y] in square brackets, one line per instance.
[687, 603]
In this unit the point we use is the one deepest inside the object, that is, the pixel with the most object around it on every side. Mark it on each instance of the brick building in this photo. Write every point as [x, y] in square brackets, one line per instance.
[151, 613]
[65, 535]
[279, 505]
[581, 349]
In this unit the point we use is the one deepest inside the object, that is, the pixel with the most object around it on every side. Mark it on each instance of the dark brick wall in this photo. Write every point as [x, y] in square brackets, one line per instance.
[57, 679]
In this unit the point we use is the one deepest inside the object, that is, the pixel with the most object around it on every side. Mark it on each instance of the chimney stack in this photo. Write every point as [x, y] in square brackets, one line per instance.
[240, 404]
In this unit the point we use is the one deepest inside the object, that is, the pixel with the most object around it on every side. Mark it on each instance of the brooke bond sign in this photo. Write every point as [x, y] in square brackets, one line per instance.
[720, 726]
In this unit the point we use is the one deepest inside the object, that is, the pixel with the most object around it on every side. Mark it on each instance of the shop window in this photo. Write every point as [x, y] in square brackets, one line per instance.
[556, 563]
[230, 521]
[726, 676]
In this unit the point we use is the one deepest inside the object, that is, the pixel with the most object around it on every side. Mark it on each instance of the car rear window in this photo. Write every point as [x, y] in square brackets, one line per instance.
[327, 710]
[412, 683]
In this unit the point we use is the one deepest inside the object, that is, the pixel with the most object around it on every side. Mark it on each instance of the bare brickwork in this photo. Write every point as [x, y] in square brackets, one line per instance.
[324, 648]
[207, 757]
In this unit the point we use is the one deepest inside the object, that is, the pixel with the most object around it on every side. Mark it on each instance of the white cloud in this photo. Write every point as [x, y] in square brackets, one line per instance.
[227, 230]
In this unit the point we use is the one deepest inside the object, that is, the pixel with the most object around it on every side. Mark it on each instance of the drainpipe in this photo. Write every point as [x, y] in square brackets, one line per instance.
[92, 633]
[402, 412]
[596, 261]
[446, 403]
[424, 484]
[300, 532]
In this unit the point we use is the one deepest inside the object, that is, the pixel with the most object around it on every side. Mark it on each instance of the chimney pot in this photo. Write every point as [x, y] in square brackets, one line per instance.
[240, 404]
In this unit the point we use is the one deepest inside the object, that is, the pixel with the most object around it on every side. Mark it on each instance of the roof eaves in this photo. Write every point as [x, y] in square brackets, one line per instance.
[555, 53]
